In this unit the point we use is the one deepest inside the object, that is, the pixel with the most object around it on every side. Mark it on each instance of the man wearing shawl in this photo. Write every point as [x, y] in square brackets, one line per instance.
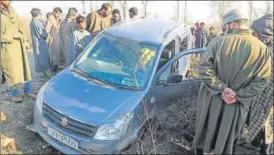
[14, 58]
[234, 71]
[79, 39]
[99, 20]
[67, 27]
[55, 48]
[39, 44]
[260, 122]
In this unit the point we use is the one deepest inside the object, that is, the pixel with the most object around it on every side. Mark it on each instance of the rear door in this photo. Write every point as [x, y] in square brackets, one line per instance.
[190, 83]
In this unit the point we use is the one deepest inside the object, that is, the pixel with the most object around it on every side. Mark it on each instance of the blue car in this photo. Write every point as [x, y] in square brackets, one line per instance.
[101, 102]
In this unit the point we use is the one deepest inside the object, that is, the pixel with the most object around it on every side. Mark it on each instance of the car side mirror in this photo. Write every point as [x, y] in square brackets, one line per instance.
[174, 78]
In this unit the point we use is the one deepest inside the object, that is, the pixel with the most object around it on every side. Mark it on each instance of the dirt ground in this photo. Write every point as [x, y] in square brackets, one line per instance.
[171, 132]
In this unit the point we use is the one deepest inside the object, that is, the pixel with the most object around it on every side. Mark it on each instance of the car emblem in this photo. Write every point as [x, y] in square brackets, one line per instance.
[64, 121]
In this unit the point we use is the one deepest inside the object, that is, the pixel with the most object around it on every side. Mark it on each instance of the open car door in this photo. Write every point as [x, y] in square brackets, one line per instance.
[180, 76]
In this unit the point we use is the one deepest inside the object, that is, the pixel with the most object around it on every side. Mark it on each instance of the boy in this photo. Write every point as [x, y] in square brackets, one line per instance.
[79, 39]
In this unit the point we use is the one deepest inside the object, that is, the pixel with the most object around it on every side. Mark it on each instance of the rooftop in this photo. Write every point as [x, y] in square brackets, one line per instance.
[143, 29]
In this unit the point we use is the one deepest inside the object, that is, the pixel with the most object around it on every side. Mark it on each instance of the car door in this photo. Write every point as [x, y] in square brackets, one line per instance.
[190, 81]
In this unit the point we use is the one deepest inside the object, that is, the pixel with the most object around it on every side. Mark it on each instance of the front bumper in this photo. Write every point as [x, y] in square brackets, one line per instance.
[86, 145]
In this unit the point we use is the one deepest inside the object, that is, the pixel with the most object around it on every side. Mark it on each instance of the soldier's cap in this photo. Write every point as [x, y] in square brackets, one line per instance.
[235, 14]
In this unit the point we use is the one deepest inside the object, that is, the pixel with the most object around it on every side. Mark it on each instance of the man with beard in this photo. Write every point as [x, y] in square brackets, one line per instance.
[234, 70]
[14, 58]
[55, 49]
[99, 20]
[68, 26]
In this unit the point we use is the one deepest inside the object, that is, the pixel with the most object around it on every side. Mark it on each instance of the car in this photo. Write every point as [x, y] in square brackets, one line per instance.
[101, 102]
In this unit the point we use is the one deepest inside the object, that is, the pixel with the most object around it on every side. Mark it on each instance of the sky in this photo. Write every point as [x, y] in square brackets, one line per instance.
[196, 10]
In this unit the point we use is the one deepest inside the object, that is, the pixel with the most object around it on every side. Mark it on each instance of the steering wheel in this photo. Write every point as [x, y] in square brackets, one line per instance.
[113, 61]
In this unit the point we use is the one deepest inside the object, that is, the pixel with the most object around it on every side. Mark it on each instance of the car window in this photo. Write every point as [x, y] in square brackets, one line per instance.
[163, 58]
[184, 43]
[188, 67]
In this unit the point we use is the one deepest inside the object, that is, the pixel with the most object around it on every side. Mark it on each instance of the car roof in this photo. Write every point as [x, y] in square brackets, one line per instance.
[144, 29]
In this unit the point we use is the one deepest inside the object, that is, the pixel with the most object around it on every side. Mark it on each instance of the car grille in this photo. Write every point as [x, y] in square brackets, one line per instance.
[73, 126]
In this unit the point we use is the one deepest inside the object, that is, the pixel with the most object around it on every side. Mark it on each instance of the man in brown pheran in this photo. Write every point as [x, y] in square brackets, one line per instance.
[234, 70]
[99, 20]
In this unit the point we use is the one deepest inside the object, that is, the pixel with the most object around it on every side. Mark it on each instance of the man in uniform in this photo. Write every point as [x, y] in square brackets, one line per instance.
[234, 70]
[14, 58]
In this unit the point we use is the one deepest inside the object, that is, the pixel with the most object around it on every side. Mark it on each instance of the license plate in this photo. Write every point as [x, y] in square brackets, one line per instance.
[63, 138]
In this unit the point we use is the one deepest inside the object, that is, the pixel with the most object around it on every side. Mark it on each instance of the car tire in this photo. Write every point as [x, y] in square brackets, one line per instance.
[140, 135]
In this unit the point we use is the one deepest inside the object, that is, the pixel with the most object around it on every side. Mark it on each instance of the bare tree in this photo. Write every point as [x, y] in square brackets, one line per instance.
[221, 6]
[90, 5]
[269, 7]
[185, 11]
[145, 7]
[84, 7]
[178, 10]
[250, 11]
[124, 7]
[111, 3]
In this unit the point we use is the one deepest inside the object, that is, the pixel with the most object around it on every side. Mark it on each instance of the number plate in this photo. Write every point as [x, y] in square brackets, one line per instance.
[63, 138]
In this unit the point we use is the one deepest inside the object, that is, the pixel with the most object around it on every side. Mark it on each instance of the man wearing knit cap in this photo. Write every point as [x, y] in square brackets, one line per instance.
[234, 71]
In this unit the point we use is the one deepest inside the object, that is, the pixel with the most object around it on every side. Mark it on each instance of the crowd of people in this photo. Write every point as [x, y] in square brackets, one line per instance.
[202, 36]
[56, 42]
[236, 70]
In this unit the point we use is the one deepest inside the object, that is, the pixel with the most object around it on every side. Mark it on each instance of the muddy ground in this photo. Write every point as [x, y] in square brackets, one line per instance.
[171, 132]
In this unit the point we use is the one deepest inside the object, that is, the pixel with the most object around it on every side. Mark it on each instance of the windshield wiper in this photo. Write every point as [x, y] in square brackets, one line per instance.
[90, 77]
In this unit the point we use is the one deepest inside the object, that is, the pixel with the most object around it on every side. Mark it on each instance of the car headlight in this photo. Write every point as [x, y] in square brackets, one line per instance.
[114, 128]
[40, 98]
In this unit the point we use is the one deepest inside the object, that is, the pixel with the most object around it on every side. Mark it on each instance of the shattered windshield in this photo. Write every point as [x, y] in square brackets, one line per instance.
[118, 62]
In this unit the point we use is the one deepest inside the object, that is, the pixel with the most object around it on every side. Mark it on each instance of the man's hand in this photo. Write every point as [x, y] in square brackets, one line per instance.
[228, 96]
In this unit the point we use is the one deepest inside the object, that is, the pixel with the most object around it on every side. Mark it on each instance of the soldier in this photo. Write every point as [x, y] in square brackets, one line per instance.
[234, 70]
[14, 58]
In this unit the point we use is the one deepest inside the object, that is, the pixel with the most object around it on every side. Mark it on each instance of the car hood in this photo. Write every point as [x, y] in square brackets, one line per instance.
[86, 101]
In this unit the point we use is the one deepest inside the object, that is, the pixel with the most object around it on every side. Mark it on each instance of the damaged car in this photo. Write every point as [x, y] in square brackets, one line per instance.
[101, 102]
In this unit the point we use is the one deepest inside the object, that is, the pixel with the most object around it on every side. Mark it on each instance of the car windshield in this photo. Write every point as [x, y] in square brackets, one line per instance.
[118, 62]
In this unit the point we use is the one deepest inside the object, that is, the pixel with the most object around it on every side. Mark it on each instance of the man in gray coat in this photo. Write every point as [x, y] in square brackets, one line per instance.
[39, 44]
[68, 26]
